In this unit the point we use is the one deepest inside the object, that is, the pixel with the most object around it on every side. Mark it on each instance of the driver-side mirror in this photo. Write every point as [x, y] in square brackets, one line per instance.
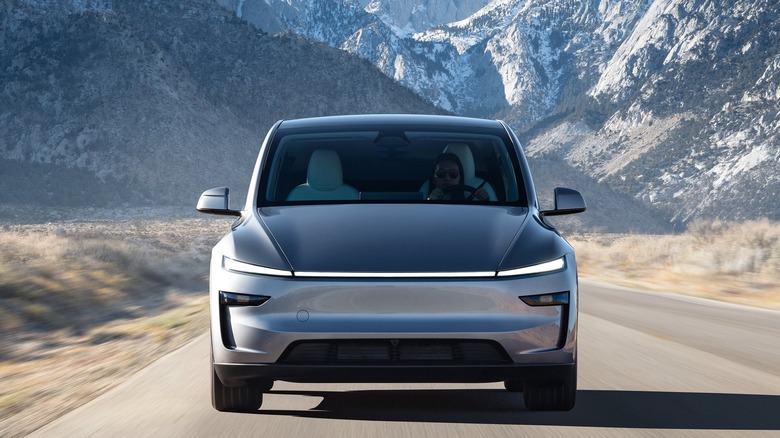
[216, 201]
[567, 201]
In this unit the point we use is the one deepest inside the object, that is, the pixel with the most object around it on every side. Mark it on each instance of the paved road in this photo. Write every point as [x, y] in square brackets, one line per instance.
[650, 365]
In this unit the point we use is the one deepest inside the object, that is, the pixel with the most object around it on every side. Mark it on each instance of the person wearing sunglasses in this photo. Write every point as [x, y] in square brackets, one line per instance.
[447, 181]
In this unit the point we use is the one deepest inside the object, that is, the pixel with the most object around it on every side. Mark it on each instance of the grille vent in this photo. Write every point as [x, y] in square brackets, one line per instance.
[395, 352]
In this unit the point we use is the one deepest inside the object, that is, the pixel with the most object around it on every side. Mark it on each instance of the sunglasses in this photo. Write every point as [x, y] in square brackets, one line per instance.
[443, 173]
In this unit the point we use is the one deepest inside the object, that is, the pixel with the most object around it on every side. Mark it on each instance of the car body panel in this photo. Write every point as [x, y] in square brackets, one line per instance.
[397, 238]
[411, 308]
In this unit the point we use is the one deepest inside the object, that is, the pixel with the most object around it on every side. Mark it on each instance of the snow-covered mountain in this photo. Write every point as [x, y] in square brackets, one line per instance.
[144, 103]
[387, 34]
[674, 102]
[690, 111]
[475, 57]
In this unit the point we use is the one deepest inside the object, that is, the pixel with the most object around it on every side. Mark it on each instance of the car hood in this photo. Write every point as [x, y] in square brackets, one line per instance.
[394, 238]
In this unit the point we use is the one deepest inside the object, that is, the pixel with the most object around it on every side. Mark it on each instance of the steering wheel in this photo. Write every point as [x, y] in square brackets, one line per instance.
[461, 187]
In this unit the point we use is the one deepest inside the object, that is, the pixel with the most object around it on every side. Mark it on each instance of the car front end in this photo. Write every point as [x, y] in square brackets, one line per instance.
[392, 290]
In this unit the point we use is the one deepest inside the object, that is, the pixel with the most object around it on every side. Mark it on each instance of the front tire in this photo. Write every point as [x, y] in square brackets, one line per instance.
[244, 399]
[514, 385]
[552, 396]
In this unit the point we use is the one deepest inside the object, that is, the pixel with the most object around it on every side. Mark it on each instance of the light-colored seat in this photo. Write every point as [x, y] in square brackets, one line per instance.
[324, 180]
[469, 170]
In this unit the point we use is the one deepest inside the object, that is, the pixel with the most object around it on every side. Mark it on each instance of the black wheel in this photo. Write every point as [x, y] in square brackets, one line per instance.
[468, 190]
[264, 385]
[552, 395]
[234, 399]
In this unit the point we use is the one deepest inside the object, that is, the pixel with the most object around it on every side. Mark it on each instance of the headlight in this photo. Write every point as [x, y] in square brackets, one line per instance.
[246, 268]
[541, 268]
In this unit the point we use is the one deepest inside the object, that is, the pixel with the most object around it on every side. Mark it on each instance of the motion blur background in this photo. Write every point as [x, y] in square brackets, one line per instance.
[115, 116]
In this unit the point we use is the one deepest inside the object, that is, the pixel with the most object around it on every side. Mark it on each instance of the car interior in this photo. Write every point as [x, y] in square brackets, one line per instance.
[376, 166]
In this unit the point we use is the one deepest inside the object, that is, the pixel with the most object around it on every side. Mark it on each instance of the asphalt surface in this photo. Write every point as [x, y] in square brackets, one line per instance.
[649, 365]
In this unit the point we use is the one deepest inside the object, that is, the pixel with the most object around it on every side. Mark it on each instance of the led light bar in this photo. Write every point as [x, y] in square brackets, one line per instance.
[247, 268]
[541, 268]
[395, 274]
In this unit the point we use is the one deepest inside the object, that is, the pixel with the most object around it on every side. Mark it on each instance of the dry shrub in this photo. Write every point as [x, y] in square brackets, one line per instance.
[733, 261]
[737, 249]
[84, 304]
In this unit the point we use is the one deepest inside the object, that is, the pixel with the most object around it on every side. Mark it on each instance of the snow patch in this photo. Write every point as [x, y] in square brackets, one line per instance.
[725, 171]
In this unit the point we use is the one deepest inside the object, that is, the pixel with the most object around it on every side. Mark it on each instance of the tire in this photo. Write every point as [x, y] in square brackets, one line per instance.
[244, 399]
[264, 385]
[552, 396]
[514, 385]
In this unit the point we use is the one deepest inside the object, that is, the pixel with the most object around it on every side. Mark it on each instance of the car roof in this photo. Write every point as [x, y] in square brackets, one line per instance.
[368, 121]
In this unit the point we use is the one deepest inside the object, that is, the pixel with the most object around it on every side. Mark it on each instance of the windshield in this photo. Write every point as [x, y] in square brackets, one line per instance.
[390, 166]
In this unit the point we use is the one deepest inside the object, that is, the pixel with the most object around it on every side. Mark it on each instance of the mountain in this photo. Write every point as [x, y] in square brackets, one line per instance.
[476, 57]
[671, 102]
[665, 107]
[413, 16]
[685, 114]
[135, 104]
[381, 33]
[145, 102]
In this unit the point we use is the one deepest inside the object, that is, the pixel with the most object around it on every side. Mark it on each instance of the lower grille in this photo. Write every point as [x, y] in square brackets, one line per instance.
[395, 352]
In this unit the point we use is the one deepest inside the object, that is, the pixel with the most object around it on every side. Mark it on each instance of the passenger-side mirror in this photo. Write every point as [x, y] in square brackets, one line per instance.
[567, 201]
[216, 201]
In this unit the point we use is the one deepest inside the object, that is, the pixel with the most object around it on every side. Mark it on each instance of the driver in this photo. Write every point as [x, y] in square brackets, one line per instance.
[447, 181]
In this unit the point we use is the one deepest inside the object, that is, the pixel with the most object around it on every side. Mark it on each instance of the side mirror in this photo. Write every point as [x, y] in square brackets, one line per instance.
[567, 201]
[216, 201]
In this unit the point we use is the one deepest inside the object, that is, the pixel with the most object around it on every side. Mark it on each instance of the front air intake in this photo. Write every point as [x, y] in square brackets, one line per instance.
[395, 352]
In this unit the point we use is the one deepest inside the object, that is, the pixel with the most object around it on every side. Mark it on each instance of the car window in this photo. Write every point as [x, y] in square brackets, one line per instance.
[384, 166]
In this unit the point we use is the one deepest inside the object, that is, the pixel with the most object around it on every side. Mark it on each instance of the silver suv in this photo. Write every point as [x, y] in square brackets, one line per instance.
[392, 248]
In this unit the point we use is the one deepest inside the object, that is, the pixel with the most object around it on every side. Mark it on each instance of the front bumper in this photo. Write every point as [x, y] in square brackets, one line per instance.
[242, 374]
[250, 342]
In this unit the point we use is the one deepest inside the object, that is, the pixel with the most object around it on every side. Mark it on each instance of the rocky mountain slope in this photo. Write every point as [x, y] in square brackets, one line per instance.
[118, 104]
[670, 105]
[144, 102]
[672, 102]
[685, 114]
[491, 56]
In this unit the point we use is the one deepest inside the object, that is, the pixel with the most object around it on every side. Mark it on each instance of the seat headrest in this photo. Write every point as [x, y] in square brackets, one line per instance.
[324, 171]
[463, 152]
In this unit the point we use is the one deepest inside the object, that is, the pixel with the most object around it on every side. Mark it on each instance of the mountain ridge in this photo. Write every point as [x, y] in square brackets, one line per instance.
[125, 104]
[674, 102]
[158, 102]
